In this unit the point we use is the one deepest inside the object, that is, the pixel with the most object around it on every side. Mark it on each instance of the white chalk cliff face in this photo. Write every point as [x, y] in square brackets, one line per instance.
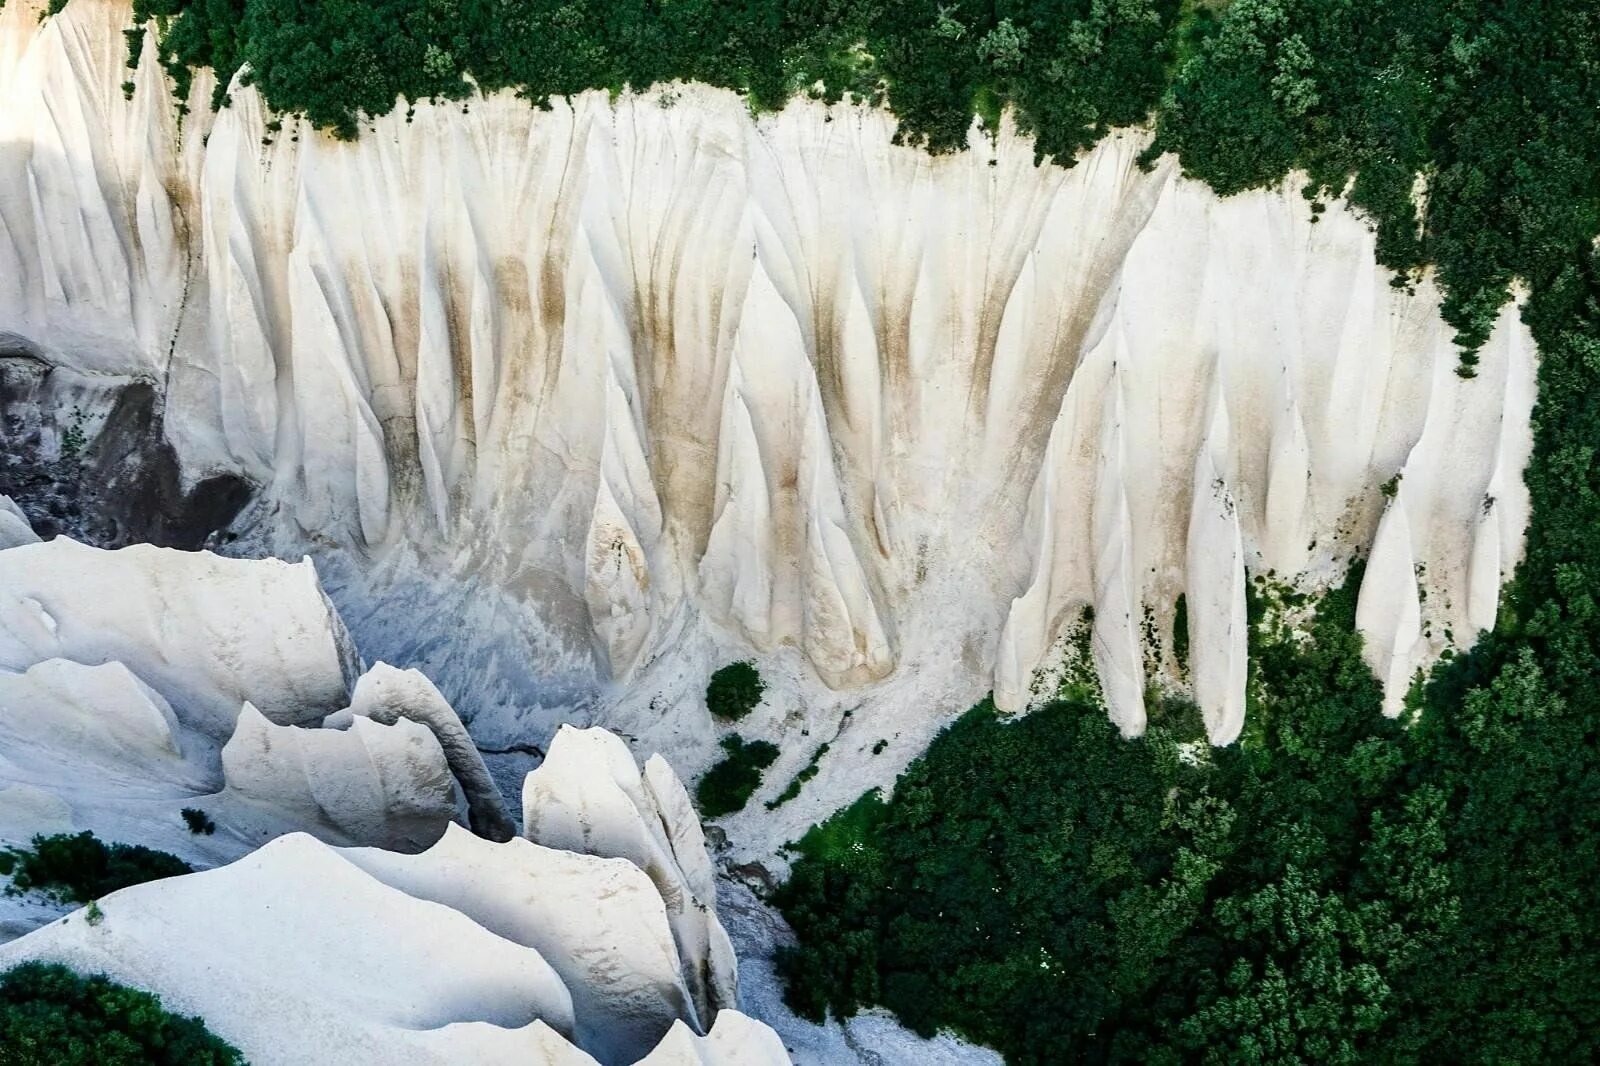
[653, 367]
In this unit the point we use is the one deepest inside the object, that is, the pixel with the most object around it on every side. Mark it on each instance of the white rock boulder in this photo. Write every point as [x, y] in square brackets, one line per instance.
[297, 956]
[208, 633]
[14, 526]
[736, 1040]
[472, 951]
[588, 795]
[386, 694]
[386, 785]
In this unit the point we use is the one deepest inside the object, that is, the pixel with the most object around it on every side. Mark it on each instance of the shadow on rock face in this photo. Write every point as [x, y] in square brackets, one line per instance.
[89, 458]
[132, 476]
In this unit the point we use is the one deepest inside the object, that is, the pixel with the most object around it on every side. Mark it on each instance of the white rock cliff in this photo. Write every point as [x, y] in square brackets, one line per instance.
[652, 363]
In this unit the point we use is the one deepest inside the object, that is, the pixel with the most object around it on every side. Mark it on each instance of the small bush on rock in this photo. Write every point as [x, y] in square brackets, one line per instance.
[734, 691]
[727, 786]
[50, 1016]
[198, 821]
[81, 868]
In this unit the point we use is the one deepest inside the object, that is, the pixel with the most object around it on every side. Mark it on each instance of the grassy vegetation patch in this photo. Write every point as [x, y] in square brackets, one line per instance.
[51, 1016]
[728, 785]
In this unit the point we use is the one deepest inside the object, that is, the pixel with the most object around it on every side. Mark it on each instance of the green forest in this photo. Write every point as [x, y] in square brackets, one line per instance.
[1335, 887]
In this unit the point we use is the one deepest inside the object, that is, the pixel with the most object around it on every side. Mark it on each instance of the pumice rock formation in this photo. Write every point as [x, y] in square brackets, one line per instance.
[650, 371]
[386, 784]
[137, 682]
[472, 951]
[588, 795]
[734, 1040]
[596, 942]
[14, 526]
[388, 695]
[209, 633]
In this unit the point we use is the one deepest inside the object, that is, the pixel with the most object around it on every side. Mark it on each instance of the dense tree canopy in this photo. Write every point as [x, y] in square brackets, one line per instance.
[1066, 895]
[1072, 67]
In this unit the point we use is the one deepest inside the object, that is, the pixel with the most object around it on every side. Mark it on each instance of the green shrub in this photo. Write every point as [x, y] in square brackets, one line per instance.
[81, 868]
[734, 691]
[728, 785]
[792, 789]
[198, 821]
[50, 1016]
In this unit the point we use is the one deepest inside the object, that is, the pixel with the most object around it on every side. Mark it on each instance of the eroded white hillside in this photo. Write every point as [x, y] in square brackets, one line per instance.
[595, 939]
[655, 378]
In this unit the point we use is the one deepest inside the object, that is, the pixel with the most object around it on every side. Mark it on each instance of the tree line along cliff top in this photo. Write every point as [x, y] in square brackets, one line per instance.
[1469, 128]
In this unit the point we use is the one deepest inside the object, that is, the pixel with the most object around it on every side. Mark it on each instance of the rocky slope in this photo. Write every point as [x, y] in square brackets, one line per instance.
[627, 386]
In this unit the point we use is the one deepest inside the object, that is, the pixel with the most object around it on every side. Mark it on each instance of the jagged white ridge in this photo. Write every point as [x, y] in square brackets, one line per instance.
[389, 695]
[630, 363]
[385, 784]
[735, 1040]
[81, 743]
[600, 923]
[470, 951]
[130, 682]
[116, 722]
[588, 795]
